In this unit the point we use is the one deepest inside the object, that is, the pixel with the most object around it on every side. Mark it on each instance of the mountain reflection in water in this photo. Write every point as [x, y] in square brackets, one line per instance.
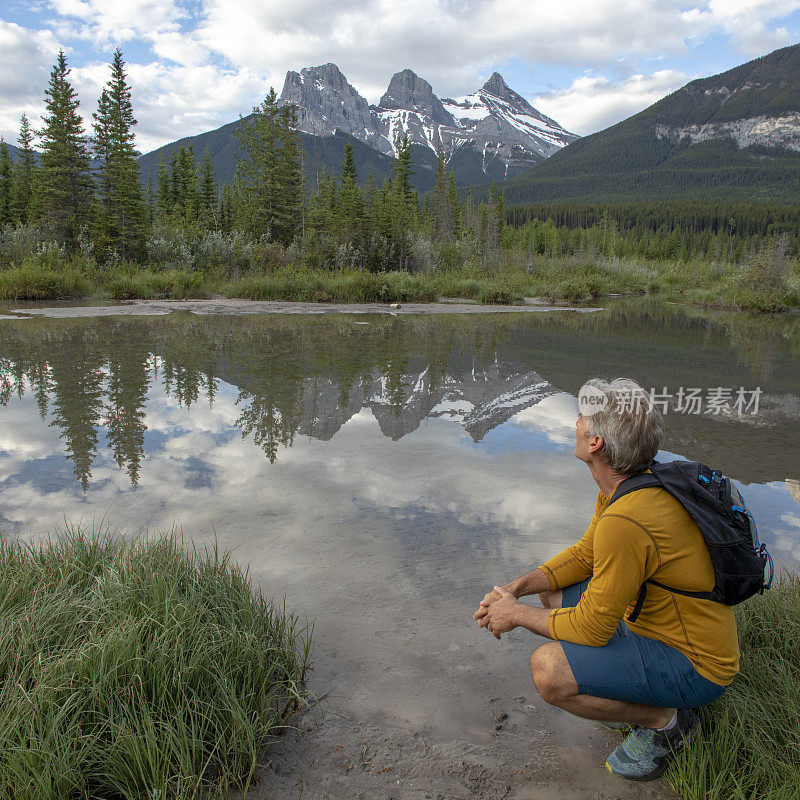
[98, 381]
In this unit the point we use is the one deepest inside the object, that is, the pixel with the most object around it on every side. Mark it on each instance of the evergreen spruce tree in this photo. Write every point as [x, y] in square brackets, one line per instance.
[164, 189]
[150, 200]
[405, 205]
[24, 174]
[497, 207]
[208, 191]
[175, 198]
[455, 205]
[185, 194]
[226, 209]
[189, 181]
[402, 171]
[292, 176]
[6, 187]
[350, 205]
[271, 171]
[443, 222]
[66, 185]
[120, 193]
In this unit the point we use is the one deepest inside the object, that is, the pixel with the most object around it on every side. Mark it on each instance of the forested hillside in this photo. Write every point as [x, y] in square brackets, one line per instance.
[688, 145]
[321, 153]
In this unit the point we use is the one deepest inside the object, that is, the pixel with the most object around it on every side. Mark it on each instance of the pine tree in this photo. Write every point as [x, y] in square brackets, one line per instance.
[271, 171]
[404, 204]
[175, 197]
[185, 183]
[350, 203]
[118, 175]
[150, 200]
[292, 176]
[66, 185]
[443, 222]
[6, 186]
[401, 175]
[455, 205]
[164, 190]
[208, 190]
[24, 173]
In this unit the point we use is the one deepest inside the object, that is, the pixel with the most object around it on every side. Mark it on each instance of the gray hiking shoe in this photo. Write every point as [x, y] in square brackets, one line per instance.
[645, 753]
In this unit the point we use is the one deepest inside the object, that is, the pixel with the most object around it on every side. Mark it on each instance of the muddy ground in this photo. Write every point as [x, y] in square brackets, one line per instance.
[524, 752]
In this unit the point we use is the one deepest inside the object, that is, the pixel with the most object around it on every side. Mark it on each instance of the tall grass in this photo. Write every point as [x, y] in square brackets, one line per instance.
[137, 669]
[37, 282]
[749, 744]
[513, 276]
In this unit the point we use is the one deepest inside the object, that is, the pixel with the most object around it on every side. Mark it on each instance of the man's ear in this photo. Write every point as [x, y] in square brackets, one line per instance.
[596, 443]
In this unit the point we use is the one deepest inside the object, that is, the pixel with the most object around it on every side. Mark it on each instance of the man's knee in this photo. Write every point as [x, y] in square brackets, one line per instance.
[551, 674]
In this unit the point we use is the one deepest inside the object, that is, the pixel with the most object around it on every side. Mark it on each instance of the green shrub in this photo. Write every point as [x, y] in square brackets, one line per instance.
[173, 284]
[137, 669]
[32, 281]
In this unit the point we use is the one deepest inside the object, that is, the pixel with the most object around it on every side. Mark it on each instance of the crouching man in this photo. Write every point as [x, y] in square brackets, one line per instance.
[681, 652]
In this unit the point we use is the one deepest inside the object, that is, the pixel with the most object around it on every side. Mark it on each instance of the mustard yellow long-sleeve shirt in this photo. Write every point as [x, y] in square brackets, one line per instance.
[646, 534]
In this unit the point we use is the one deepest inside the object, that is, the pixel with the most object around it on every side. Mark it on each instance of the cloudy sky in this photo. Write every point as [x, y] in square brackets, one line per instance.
[197, 64]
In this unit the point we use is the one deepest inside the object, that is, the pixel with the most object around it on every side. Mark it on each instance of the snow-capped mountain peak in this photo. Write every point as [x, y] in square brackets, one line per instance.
[495, 125]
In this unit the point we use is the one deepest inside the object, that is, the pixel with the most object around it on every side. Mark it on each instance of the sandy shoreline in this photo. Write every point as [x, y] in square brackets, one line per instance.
[224, 306]
[526, 752]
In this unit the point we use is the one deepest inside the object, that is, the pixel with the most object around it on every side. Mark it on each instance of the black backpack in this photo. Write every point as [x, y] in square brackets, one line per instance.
[728, 528]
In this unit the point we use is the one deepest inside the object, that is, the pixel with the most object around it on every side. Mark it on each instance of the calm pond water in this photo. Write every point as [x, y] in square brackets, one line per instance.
[380, 472]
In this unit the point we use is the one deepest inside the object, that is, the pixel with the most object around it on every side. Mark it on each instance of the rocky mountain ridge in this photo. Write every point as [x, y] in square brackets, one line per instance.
[731, 135]
[494, 125]
[478, 401]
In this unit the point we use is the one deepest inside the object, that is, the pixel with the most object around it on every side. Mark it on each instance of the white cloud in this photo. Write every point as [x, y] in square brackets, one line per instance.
[214, 61]
[747, 22]
[594, 102]
[555, 416]
[105, 22]
[372, 40]
[22, 89]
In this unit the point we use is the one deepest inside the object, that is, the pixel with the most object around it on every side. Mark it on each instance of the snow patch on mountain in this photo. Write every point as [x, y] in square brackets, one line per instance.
[495, 121]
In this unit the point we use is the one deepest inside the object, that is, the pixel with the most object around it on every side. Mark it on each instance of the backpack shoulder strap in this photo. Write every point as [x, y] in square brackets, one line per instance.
[642, 481]
[645, 480]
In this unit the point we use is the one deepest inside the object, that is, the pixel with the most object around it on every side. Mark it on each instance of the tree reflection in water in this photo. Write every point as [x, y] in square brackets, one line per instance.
[309, 375]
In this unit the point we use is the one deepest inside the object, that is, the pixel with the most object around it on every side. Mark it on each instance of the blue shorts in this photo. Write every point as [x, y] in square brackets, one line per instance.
[636, 669]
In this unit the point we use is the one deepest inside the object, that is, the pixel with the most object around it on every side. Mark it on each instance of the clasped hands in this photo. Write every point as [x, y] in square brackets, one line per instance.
[498, 612]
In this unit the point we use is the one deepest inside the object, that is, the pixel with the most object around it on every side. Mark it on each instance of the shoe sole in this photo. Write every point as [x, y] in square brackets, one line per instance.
[651, 776]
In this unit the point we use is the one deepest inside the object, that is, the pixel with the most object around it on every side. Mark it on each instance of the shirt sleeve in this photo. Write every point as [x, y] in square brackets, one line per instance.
[625, 555]
[575, 564]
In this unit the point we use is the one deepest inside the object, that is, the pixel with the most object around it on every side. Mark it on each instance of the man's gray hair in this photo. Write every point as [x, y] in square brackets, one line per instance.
[631, 427]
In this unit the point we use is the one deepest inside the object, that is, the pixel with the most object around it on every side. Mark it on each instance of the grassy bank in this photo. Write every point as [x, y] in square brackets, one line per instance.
[749, 745]
[570, 279]
[137, 669]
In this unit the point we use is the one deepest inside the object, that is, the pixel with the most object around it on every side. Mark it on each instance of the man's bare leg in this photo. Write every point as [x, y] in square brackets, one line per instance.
[555, 682]
[557, 685]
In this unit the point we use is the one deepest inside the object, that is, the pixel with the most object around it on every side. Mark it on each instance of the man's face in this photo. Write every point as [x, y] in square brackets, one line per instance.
[586, 443]
[581, 438]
